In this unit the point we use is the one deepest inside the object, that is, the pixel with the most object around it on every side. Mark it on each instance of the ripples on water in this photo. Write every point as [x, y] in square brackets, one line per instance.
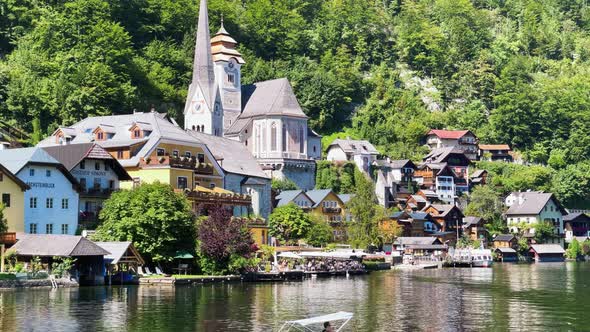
[540, 297]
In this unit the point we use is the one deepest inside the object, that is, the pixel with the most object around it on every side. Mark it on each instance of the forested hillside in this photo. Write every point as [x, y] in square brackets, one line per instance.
[513, 71]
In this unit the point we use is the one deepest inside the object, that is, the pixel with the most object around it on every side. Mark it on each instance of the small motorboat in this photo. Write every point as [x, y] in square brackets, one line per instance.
[317, 323]
[482, 258]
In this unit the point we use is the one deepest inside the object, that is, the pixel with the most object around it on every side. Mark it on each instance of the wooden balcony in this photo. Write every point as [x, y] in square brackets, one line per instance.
[178, 162]
[331, 210]
[8, 238]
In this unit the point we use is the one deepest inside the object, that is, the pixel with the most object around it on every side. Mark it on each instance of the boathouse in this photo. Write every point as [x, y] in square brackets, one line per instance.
[89, 258]
[123, 262]
[504, 254]
[547, 253]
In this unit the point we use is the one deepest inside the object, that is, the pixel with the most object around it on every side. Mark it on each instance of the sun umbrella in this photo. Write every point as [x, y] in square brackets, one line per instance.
[183, 255]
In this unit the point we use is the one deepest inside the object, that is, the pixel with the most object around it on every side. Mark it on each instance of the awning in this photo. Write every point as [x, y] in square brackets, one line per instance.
[289, 254]
[303, 324]
[183, 255]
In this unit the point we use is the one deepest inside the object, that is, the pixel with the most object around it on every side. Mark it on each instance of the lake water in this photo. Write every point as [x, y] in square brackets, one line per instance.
[538, 297]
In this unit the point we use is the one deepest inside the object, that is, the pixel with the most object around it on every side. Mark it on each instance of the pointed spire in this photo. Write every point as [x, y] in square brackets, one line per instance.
[203, 74]
[222, 30]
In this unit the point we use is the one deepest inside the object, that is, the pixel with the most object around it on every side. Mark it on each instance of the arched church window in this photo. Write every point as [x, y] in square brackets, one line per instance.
[301, 140]
[194, 128]
[273, 136]
[203, 128]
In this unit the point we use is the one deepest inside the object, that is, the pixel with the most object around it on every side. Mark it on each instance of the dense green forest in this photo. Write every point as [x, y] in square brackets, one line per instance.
[512, 71]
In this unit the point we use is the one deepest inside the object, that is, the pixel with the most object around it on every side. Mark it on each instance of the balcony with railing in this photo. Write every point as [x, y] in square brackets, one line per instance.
[178, 162]
[281, 155]
[96, 192]
[332, 210]
[8, 238]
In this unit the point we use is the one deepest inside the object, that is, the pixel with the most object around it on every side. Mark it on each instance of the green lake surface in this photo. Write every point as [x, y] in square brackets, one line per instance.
[523, 297]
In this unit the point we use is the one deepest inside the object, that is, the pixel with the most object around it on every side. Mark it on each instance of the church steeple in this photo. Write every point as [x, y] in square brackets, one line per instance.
[203, 72]
[203, 110]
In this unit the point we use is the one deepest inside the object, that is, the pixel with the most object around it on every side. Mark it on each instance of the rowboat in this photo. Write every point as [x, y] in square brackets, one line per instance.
[317, 323]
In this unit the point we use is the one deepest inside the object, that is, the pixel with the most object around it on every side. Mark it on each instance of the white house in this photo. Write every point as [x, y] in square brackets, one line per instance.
[535, 207]
[51, 203]
[361, 152]
[97, 172]
[464, 140]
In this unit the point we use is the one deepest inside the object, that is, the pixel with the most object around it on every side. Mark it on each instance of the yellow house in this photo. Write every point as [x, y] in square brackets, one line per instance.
[151, 147]
[323, 203]
[13, 198]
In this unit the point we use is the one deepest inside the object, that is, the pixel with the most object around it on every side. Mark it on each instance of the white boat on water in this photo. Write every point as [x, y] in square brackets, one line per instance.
[317, 323]
[482, 258]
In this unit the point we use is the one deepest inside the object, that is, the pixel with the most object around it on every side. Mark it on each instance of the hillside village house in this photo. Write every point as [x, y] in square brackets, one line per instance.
[474, 228]
[576, 225]
[449, 220]
[479, 177]
[151, 147]
[505, 241]
[323, 203]
[97, 172]
[457, 161]
[394, 179]
[437, 178]
[464, 140]
[265, 116]
[495, 152]
[413, 224]
[51, 203]
[535, 207]
[362, 153]
[13, 198]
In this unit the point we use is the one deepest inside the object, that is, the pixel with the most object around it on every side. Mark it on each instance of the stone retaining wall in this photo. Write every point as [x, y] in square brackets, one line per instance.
[36, 283]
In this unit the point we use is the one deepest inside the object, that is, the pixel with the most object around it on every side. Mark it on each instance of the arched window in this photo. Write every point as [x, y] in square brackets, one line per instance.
[284, 137]
[273, 136]
[257, 138]
[203, 128]
[194, 128]
[301, 140]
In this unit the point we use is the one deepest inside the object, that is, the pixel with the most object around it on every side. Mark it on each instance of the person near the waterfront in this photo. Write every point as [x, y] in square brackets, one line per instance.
[327, 327]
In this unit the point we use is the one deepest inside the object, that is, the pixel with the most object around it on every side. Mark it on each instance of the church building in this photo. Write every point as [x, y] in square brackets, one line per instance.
[264, 116]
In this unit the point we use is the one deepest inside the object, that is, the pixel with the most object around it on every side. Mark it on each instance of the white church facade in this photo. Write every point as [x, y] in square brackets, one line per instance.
[264, 116]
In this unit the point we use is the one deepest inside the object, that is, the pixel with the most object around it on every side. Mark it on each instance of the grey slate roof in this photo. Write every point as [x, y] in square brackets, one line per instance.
[345, 198]
[443, 209]
[413, 215]
[533, 203]
[506, 250]
[547, 249]
[440, 155]
[56, 245]
[116, 250]
[274, 97]
[409, 240]
[354, 146]
[467, 221]
[15, 159]
[287, 196]
[573, 216]
[162, 129]
[478, 173]
[317, 195]
[232, 156]
[395, 164]
[504, 238]
[72, 154]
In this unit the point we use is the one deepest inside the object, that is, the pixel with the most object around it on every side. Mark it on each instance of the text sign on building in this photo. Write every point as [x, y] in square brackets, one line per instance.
[41, 185]
[89, 173]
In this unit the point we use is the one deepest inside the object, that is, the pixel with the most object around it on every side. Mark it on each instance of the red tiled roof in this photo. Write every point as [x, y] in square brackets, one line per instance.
[494, 147]
[448, 134]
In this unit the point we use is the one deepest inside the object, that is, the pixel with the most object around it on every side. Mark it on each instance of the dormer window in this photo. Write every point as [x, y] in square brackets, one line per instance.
[100, 136]
[137, 133]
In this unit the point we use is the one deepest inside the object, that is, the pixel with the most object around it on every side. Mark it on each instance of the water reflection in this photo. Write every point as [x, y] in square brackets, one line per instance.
[538, 297]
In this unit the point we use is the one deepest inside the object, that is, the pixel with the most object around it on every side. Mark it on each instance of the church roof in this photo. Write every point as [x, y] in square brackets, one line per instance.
[232, 156]
[274, 97]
